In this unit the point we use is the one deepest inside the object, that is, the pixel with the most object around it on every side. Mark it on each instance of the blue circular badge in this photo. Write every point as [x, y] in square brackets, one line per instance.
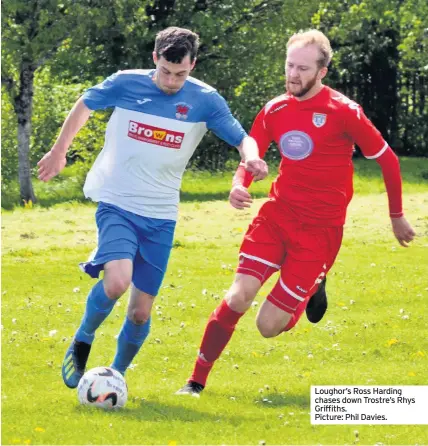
[296, 145]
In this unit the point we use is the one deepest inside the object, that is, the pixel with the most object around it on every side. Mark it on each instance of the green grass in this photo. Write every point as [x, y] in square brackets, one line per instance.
[44, 293]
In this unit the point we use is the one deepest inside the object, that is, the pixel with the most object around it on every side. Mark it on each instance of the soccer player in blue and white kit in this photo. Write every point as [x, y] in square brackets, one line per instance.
[159, 118]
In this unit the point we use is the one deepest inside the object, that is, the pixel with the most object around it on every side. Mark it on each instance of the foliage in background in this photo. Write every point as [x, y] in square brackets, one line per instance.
[381, 60]
[32, 33]
[83, 39]
[52, 103]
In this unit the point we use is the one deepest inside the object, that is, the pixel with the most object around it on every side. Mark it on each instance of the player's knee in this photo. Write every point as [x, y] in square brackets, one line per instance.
[242, 292]
[267, 330]
[116, 287]
[138, 316]
[239, 299]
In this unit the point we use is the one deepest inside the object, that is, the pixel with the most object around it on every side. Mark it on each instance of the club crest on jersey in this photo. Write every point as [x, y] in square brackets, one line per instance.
[319, 119]
[182, 110]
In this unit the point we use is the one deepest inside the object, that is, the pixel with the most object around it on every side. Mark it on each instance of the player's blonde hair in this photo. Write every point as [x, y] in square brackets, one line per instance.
[314, 37]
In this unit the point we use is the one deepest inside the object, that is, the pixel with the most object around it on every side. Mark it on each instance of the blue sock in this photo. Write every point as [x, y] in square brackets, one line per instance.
[129, 342]
[98, 307]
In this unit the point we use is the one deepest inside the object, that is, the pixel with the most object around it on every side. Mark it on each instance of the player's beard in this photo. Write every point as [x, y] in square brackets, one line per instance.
[298, 93]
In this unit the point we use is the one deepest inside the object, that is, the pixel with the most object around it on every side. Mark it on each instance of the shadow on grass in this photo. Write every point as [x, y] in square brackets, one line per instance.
[276, 400]
[213, 196]
[160, 412]
[48, 202]
[413, 170]
[186, 197]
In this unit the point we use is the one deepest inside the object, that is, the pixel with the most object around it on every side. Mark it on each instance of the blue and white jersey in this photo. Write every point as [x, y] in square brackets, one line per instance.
[150, 138]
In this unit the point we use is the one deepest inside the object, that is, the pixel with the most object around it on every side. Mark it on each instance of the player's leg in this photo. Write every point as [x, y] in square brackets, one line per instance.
[117, 244]
[309, 258]
[279, 312]
[261, 254]
[135, 329]
[102, 297]
[317, 305]
[150, 264]
[219, 329]
[99, 304]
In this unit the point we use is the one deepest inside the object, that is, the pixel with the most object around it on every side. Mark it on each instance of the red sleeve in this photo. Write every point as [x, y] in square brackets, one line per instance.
[261, 134]
[370, 141]
[362, 132]
[390, 166]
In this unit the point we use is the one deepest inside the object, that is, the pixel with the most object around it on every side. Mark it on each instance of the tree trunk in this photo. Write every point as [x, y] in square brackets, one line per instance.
[23, 109]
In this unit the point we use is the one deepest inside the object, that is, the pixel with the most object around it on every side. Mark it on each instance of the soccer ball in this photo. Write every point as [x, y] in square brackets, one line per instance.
[103, 387]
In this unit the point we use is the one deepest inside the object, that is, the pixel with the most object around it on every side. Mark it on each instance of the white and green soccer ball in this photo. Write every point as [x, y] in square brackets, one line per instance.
[103, 387]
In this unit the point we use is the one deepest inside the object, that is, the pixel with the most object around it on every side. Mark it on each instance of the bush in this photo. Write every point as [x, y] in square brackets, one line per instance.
[51, 106]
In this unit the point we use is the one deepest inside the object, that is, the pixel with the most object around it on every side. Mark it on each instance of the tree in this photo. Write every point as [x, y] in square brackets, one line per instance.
[32, 33]
[381, 62]
[82, 39]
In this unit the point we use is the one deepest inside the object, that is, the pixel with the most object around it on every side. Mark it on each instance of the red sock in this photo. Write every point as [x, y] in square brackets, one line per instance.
[218, 332]
[296, 315]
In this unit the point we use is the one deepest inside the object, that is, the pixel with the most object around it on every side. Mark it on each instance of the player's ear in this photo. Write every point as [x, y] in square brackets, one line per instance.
[193, 64]
[322, 73]
[155, 57]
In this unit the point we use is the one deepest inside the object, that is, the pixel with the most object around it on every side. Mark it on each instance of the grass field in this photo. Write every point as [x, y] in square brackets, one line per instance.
[375, 331]
[205, 186]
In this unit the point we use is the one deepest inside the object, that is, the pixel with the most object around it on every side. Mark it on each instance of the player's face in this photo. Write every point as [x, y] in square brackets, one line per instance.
[302, 72]
[170, 77]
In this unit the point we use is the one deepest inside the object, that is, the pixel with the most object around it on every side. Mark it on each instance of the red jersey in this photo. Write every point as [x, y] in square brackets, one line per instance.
[316, 139]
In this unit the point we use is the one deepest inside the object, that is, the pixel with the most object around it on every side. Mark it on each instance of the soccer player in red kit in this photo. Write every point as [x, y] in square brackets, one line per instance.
[298, 231]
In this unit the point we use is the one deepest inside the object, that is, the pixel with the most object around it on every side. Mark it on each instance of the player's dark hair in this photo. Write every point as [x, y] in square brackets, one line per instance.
[174, 44]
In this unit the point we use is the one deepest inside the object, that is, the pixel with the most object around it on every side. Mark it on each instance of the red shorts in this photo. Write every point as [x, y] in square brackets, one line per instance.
[303, 253]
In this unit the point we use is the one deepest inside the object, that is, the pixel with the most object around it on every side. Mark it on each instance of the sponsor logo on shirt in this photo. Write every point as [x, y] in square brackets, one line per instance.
[278, 108]
[296, 145]
[143, 101]
[319, 119]
[155, 135]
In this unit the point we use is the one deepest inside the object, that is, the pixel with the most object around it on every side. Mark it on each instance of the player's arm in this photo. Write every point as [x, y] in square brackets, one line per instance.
[373, 146]
[239, 196]
[388, 161]
[98, 97]
[55, 160]
[225, 126]
[251, 160]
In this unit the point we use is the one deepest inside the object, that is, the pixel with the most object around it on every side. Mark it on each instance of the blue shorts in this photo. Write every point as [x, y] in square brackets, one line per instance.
[125, 235]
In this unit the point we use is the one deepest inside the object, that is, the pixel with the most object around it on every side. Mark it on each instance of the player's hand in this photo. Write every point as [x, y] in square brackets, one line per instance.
[50, 165]
[239, 197]
[403, 231]
[257, 167]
